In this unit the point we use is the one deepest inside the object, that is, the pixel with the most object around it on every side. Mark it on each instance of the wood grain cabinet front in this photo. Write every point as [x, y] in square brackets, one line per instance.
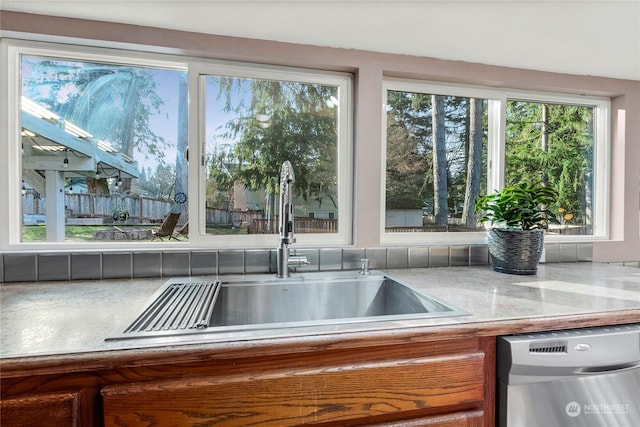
[361, 389]
[398, 380]
[472, 418]
[63, 409]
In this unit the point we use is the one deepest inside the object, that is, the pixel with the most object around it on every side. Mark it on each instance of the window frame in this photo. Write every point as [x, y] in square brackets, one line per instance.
[11, 162]
[198, 71]
[601, 155]
[496, 152]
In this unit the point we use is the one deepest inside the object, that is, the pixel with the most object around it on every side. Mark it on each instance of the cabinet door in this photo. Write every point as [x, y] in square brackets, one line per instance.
[454, 419]
[389, 390]
[74, 408]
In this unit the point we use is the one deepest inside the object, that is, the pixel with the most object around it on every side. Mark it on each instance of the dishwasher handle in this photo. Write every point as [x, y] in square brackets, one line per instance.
[609, 369]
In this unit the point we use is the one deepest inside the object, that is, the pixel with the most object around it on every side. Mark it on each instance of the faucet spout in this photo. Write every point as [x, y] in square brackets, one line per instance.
[287, 178]
[286, 227]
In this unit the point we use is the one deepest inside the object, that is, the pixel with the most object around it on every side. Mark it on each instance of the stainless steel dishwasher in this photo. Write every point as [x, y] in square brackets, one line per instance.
[580, 377]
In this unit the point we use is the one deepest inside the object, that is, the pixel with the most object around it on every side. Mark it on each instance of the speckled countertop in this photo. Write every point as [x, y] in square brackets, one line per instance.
[55, 318]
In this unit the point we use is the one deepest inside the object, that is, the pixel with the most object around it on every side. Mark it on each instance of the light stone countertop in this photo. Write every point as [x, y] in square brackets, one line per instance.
[57, 318]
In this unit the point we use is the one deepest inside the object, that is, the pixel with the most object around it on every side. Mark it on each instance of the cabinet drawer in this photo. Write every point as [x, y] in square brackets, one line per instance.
[282, 397]
[455, 419]
[75, 408]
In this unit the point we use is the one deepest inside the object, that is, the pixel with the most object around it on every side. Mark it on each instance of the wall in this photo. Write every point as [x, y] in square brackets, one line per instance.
[138, 264]
[369, 69]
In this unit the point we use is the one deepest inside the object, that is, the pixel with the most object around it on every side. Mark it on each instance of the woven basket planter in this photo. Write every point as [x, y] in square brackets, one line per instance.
[516, 251]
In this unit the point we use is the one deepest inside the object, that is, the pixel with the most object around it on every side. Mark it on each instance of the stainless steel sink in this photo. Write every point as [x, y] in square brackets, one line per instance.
[191, 306]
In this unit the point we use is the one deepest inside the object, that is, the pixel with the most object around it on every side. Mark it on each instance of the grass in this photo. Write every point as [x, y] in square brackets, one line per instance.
[72, 233]
[84, 233]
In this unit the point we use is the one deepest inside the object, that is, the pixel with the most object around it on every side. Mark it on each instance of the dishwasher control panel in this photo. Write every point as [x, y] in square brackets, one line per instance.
[575, 349]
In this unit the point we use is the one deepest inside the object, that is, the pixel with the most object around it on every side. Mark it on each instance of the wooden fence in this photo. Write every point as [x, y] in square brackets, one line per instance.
[84, 205]
[446, 228]
[217, 217]
[301, 225]
[145, 210]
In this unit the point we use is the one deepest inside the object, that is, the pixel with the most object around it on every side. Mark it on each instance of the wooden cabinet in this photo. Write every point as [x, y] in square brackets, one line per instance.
[73, 408]
[393, 380]
[436, 384]
[452, 419]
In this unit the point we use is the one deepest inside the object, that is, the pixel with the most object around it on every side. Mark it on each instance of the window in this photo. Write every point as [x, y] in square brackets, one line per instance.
[103, 140]
[255, 119]
[436, 159]
[554, 144]
[99, 140]
[445, 145]
[102, 145]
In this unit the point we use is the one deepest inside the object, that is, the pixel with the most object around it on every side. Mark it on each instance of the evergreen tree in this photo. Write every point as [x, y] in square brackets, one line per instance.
[553, 143]
[409, 160]
[440, 174]
[276, 121]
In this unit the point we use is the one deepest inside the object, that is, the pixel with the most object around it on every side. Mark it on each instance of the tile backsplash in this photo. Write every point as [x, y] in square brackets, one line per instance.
[116, 265]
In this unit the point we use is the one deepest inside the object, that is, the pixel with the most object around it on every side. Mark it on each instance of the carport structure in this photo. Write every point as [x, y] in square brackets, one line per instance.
[55, 149]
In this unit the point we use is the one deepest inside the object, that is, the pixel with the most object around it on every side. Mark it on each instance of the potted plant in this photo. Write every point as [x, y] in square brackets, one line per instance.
[517, 216]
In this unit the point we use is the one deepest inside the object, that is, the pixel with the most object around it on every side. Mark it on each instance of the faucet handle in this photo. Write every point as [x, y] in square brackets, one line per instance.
[298, 260]
[364, 266]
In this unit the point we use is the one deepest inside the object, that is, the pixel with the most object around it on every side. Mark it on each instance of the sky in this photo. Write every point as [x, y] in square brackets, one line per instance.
[163, 122]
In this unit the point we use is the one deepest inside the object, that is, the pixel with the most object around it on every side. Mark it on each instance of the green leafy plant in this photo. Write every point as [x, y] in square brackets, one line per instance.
[520, 207]
[120, 215]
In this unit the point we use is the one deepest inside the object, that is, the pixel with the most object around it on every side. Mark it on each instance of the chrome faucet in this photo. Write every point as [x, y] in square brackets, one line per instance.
[287, 178]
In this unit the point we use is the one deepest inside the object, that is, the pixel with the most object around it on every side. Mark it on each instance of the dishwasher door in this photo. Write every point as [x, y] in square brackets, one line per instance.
[582, 377]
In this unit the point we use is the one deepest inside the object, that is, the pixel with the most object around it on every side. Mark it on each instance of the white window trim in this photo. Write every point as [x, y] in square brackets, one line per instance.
[497, 101]
[13, 50]
[601, 156]
[345, 152]
[11, 161]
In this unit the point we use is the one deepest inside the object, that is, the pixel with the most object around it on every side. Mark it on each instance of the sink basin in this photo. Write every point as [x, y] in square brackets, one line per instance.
[191, 306]
[315, 300]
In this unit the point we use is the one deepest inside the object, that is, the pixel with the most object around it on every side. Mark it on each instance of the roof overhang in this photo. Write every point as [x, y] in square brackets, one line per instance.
[49, 143]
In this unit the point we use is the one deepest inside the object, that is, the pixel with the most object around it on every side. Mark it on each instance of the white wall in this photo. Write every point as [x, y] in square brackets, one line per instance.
[592, 37]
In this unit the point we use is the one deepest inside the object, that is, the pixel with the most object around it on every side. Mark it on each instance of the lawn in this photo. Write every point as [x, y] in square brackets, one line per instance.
[73, 233]
[84, 233]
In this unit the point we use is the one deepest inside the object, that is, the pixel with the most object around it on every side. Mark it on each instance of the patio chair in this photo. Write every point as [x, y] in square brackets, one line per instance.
[184, 230]
[167, 228]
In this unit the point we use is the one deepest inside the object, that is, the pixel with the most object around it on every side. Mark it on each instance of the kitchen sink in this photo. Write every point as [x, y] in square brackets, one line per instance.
[192, 306]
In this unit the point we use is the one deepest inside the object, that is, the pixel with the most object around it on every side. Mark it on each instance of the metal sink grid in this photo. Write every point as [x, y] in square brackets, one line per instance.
[180, 306]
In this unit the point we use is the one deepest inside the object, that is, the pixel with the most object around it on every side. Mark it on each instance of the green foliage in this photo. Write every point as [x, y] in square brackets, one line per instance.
[409, 167]
[159, 184]
[274, 121]
[73, 233]
[220, 179]
[112, 102]
[565, 163]
[523, 206]
[409, 173]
